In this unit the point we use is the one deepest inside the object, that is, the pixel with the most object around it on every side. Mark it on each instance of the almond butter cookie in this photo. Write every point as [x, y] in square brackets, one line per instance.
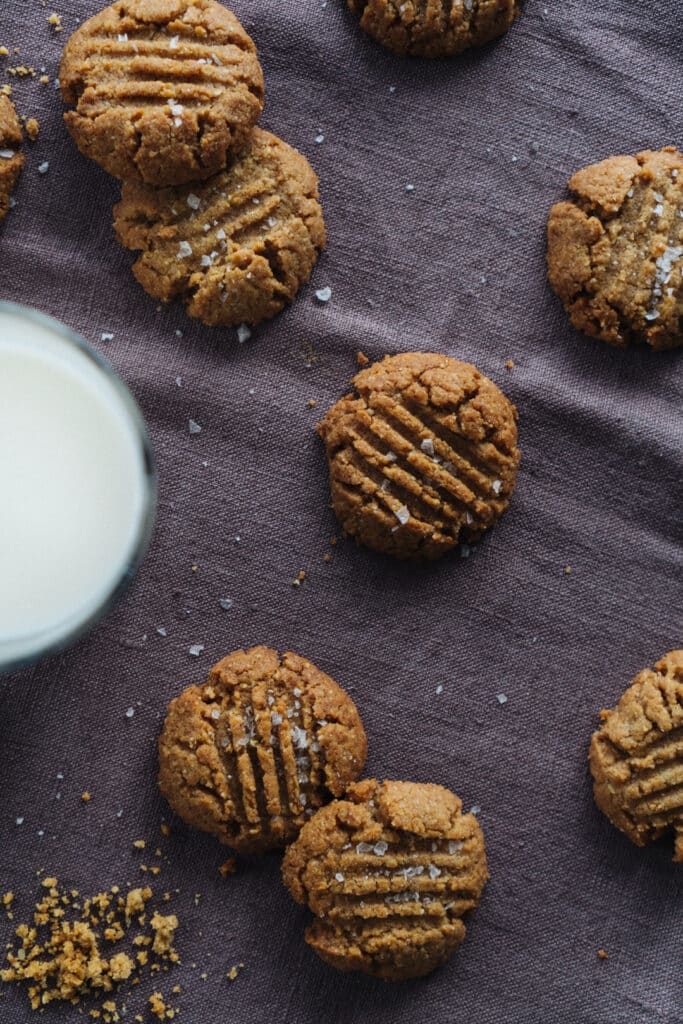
[636, 756]
[253, 752]
[389, 872]
[164, 91]
[424, 455]
[11, 160]
[235, 248]
[434, 28]
[615, 251]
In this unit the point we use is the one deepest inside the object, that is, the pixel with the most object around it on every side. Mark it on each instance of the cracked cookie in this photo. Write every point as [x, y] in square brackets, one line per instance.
[11, 160]
[422, 457]
[164, 91]
[253, 752]
[389, 872]
[434, 28]
[636, 756]
[235, 248]
[615, 251]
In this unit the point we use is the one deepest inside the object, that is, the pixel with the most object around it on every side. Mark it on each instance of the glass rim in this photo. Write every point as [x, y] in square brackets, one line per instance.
[145, 525]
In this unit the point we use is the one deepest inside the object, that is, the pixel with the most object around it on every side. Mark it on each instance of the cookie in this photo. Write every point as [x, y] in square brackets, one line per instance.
[251, 754]
[389, 872]
[636, 756]
[235, 248]
[11, 160]
[422, 457]
[164, 91]
[434, 28]
[615, 251]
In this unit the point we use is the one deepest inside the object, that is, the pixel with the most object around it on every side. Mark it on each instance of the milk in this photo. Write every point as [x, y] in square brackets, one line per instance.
[76, 487]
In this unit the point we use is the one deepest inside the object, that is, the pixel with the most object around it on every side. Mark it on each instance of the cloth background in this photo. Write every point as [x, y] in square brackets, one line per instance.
[488, 141]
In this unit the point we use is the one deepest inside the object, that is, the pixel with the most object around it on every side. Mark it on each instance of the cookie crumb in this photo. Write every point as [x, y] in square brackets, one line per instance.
[86, 797]
[55, 20]
[228, 867]
[602, 954]
[32, 128]
[510, 364]
[362, 359]
[567, 570]
[312, 402]
[299, 579]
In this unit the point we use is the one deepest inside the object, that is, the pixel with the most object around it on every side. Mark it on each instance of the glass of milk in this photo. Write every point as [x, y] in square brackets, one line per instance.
[77, 486]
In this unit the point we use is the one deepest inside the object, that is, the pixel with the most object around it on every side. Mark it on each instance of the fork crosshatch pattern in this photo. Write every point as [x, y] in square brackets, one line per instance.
[483, 674]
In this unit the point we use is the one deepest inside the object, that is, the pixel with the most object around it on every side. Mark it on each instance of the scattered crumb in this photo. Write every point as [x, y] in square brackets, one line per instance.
[56, 21]
[32, 128]
[362, 359]
[234, 970]
[602, 954]
[4, 52]
[164, 929]
[139, 844]
[510, 364]
[165, 829]
[85, 797]
[327, 557]
[312, 402]
[299, 579]
[157, 1006]
[228, 867]
[567, 569]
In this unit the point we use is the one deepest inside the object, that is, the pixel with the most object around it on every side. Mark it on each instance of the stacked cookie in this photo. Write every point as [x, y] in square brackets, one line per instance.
[389, 869]
[165, 95]
[11, 159]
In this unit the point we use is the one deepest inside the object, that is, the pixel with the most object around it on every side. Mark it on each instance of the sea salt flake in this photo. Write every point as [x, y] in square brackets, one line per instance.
[43, 168]
[194, 427]
[320, 138]
[380, 848]
[215, 714]
[220, 234]
[323, 294]
[271, 222]
[439, 689]
[176, 109]
[106, 336]
[454, 846]
[226, 603]
[196, 649]
[162, 631]
[501, 698]
[123, 38]
[275, 718]
[652, 315]
[206, 261]
[364, 847]
[427, 446]
[6, 154]
[173, 45]
[184, 249]
[658, 210]
[410, 188]
[475, 809]
[391, 456]
[130, 712]
[299, 737]
[339, 877]
[243, 333]
[402, 514]
[193, 201]
[216, 60]
[433, 871]
[20, 821]
[496, 486]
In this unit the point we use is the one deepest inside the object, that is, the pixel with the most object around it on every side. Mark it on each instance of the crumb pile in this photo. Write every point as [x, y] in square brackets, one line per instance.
[72, 948]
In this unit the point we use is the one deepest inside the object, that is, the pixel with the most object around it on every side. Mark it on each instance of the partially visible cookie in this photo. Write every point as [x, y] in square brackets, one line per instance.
[424, 455]
[389, 872]
[636, 756]
[165, 91]
[235, 248]
[434, 28]
[615, 251]
[11, 160]
[253, 752]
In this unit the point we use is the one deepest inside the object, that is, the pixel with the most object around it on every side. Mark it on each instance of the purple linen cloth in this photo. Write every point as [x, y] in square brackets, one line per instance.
[457, 264]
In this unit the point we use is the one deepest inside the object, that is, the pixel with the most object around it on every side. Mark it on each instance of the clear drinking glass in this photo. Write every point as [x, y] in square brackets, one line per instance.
[78, 486]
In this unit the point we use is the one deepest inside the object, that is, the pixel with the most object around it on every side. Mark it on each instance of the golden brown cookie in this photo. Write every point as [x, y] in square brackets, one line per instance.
[615, 251]
[434, 28]
[235, 248]
[252, 753]
[11, 160]
[165, 91]
[636, 756]
[389, 872]
[424, 456]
